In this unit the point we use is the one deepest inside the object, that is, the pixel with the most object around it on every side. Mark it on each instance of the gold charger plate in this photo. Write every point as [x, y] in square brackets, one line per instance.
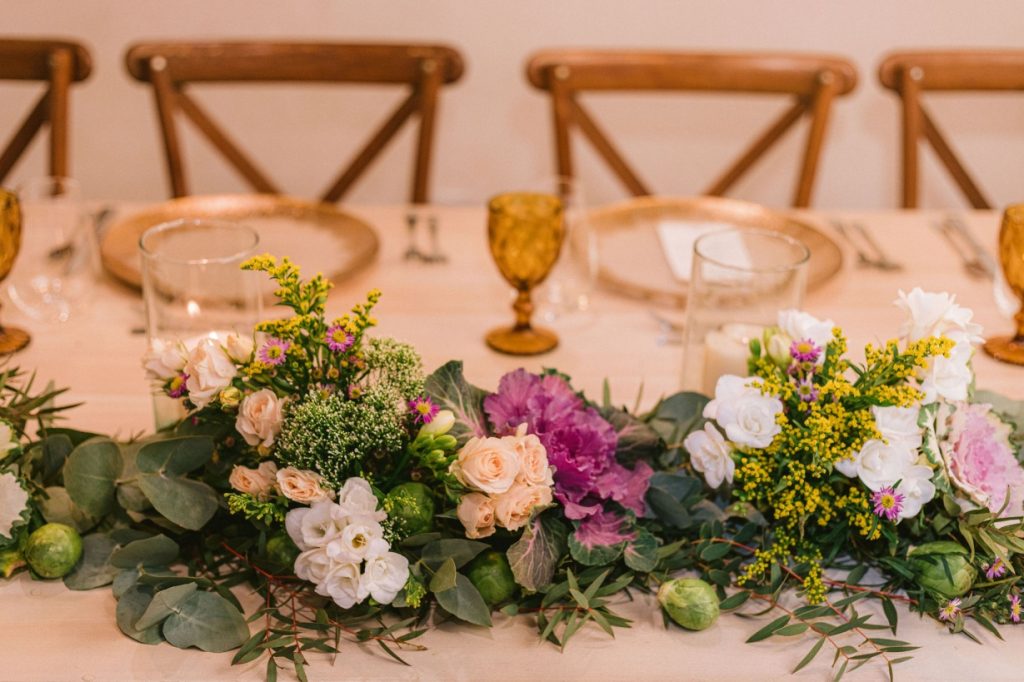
[316, 236]
[633, 263]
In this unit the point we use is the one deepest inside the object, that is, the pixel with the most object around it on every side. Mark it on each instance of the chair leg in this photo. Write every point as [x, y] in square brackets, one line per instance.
[19, 142]
[60, 82]
[163, 91]
[952, 163]
[819, 112]
[910, 91]
[430, 83]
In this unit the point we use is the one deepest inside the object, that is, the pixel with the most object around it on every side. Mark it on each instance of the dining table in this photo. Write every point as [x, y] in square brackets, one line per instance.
[444, 309]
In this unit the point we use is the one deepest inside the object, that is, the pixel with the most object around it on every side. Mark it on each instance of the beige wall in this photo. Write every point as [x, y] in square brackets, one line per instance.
[494, 131]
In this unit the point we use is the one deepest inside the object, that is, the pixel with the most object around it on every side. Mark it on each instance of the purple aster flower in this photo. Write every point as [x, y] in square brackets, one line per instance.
[951, 610]
[339, 340]
[1015, 608]
[273, 352]
[804, 350]
[176, 388]
[806, 389]
[423, 410]
[995, 570]
[888, 503]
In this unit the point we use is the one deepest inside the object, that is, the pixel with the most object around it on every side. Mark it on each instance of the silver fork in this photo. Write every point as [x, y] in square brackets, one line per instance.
[979, 263]
[879, 260]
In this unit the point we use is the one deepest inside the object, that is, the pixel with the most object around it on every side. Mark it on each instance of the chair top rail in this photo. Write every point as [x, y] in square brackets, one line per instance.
[956, 69]
[29, 58]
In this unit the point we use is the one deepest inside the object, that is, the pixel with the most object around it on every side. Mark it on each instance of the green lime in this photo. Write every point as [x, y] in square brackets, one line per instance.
[281, 551]
[53, 550]
[690, 602]
[411, 505]
[491, 575]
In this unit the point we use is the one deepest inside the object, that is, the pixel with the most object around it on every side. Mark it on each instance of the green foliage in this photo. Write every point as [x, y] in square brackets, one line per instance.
[268, 512]
[448, 388]
[535, 555]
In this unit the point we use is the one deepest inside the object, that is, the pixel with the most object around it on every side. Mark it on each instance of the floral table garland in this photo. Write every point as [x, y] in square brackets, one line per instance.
[366, 501]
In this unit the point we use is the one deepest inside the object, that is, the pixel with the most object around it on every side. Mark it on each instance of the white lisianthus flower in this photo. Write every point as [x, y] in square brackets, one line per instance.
[441, 424]
[164, 359]
[360, 539]
[948, 378]
[384, 577]
[313, 565]
[799, 326]
[342, 584]
[315, 526]
[744, 413]
[917, 490]
[899, 425]
[239, 347]
[711, 455]
[880, 465]
[209, 371]
[931, 314]
[847, 466]
[260, 416]
[13, 502]
[356, 498]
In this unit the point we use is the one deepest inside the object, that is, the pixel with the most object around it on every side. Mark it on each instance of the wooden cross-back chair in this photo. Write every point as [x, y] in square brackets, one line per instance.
[170, 67]
[813, 81]
[910, 74]
[58, 63]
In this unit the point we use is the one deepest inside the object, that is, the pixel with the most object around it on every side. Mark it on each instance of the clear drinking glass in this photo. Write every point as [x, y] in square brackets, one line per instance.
[194, 288]
[59, 250]
[570, 286]
[740, 280]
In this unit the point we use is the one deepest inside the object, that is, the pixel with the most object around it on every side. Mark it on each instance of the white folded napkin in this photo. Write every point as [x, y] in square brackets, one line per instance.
[678, 236]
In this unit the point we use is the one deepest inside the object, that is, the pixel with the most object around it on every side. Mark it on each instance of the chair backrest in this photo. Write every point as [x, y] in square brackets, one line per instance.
[909, 74]
[170, 67]
[812, 80]
[58, 63]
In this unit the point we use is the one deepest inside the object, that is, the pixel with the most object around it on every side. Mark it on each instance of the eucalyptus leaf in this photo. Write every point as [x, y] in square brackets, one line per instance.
[163, 604]
[55, 451]
[131, 498]
[130, 607]
[464, 602]
[458, 550]
[94, 569]
[90, 473]
[174, 456]
[207, 621]
[59, 508]
[158, 550]
[444, 578]
[187, 503]
[535, 555]
[124, 581]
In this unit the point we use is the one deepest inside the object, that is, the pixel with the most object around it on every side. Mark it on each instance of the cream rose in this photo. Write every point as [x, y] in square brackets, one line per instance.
[489, 465]
[711, 455]
[514, 507]
[259, 482]
[304, 487]
[209, 371]
[534, 468]
[476, 512]
[164, 359]
[260, 417]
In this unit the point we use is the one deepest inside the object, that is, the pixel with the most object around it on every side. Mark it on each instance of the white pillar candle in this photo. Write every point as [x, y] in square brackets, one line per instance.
[726, 351]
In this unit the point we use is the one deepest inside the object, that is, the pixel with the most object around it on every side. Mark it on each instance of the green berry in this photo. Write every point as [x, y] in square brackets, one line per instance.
[53, 550]
[690, 602]
[492, 577]
[411, 505]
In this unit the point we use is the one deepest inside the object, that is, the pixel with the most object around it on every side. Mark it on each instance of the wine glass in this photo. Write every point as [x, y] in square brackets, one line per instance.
[1011, 255]
[11, 338]
[525, 231]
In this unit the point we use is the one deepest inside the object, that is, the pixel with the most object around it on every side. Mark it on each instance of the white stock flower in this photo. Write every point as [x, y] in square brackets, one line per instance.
[239, 348]
[260, 416]
[880, 465]
[313, 565]
[799, 326]
[342, 584]
[360, 539]
[356, 498]
[710, 454]
[164, 359]
[948, 378]
[13, 500]
[936, 314]
[898, 425]
[743, 412]
[384, 576]
[917, 490]
[209, 371]
[317, 525]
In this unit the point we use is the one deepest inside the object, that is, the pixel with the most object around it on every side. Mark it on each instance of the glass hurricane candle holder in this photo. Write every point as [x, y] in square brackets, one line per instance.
[739, 281]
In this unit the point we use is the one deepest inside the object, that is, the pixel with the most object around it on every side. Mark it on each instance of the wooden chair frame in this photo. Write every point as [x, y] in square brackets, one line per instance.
[170, 67]
[813, 81]
[910, 74]
[58, 63]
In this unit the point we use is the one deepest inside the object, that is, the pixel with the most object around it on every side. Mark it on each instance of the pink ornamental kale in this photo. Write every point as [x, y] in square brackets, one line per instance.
[581, 444]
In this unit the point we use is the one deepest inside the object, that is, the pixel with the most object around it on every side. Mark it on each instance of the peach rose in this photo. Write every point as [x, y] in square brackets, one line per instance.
[489, 465]
[514, 507]
[260, 482]
[304, 487]
[533, 458]
[260, 417]
[476, 512]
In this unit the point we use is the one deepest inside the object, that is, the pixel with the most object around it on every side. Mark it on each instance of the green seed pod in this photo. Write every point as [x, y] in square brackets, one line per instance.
[491, 575]
[53, 550]
[690, 602]
[931, 561]
[412, 506]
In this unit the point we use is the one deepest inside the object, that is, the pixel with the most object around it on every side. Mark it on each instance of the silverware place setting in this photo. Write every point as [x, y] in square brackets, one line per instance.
[413, 252]
[977, 261]
[869, 251]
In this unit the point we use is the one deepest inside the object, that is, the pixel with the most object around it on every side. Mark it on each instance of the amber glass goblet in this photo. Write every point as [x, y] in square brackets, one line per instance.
[11, 338]
[1011, 256]
[525, 231]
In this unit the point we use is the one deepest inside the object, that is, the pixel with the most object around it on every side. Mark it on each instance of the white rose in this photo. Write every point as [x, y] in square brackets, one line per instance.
[898, 425]
[304, 487]
[317, 525]
[948, 378]
[357, 541]
[164, 359]
[514, 507]
[260, 417]
[209, 371]
[441, 424]
[384, 576]
[342, 584]
[931, 314]
[917, 490]
[746, 416]
[800, 326]
[487, 464]
[356, 498]
[260, 482]
[880, 465]
[847, 466]
[239, 348]
[13, 501]
[711, 455]
[313, 565]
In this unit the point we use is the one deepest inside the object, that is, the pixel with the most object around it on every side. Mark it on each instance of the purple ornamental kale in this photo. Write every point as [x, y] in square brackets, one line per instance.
[580, 443]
